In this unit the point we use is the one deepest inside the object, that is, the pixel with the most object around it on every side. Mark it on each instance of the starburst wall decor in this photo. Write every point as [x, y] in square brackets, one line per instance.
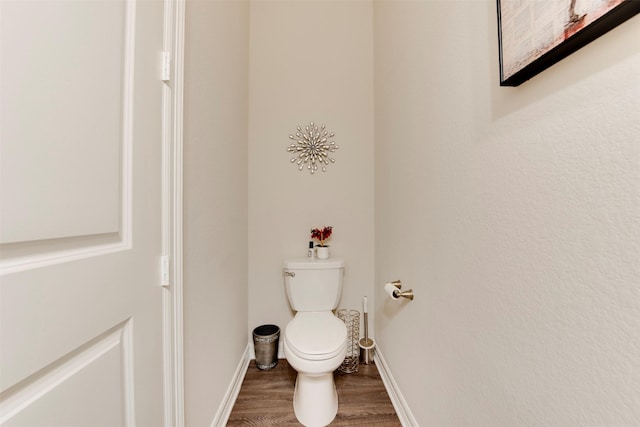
[312, 148]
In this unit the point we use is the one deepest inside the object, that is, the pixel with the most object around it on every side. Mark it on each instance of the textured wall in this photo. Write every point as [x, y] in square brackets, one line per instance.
[215, 205]
[514, 215]
[310, 60]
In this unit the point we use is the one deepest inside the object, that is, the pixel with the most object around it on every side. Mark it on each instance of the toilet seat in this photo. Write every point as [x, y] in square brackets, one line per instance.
[316, 335]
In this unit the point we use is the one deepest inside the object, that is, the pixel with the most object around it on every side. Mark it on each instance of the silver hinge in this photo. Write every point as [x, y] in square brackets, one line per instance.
[166, 66]
[164, 271]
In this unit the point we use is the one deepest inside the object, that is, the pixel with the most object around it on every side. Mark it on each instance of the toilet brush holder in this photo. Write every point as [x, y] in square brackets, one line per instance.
[367, 349]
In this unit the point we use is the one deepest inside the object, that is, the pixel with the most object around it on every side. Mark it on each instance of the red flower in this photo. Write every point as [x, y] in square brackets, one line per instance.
[321, 234]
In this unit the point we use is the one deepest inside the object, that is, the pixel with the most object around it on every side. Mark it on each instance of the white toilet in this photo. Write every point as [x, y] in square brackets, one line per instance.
[315, 340]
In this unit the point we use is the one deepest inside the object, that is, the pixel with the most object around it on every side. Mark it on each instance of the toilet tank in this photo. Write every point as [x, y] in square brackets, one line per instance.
[313, 285]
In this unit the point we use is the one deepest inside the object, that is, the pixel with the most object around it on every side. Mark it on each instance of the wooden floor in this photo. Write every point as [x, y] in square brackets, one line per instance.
[266, 398]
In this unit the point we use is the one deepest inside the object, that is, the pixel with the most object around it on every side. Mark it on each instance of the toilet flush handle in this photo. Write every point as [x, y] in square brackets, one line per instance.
[290, 273]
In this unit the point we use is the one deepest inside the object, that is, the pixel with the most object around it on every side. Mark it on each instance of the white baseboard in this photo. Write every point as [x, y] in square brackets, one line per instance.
[222, 416]
[399, 404]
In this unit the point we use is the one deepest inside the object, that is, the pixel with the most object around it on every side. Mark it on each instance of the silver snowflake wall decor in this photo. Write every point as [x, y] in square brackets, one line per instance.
[312, 147]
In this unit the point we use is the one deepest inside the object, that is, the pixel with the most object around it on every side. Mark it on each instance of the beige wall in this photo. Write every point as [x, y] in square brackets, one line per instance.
[215, 211]
[513, 214]
[310, 61]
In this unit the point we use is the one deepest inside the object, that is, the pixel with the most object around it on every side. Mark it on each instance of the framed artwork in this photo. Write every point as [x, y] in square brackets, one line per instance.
[535, 34]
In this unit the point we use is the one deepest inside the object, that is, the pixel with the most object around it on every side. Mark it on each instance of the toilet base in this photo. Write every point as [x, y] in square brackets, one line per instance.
[315, 400]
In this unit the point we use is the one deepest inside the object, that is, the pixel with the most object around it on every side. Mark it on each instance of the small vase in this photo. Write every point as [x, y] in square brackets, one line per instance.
[322, 252]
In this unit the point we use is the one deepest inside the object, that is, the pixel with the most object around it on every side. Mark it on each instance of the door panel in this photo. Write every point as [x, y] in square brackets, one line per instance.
[68, 163]
[95, 373]
[80, 215]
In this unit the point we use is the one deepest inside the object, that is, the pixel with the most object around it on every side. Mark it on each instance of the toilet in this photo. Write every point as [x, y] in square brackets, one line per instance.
[315, 340]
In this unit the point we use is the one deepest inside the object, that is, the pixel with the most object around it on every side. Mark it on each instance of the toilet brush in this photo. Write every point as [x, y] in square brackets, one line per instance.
[366, 344]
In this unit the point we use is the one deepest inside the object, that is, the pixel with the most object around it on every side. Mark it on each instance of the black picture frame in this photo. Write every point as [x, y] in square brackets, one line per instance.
[519, 63]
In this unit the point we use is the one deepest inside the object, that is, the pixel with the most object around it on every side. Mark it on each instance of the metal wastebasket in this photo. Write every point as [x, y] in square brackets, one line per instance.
[265, 344]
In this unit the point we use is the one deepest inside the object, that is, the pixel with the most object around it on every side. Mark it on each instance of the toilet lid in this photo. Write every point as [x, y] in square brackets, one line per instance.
[316, 335]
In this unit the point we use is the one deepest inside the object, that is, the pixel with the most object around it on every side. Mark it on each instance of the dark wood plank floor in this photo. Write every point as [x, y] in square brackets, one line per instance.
[266, 398]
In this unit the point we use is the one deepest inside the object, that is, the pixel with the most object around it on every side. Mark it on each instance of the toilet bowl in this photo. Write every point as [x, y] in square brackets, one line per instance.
[315, 340]
[315, 344]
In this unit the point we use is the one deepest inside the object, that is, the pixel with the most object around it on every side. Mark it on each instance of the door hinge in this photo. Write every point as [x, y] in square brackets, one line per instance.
[166, 66]
[164, 271]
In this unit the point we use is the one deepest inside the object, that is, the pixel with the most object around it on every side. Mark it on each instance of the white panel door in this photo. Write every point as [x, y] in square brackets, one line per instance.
[80, 213]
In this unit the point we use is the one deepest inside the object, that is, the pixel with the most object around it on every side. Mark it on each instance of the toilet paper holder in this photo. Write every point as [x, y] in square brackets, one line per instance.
[408, 294]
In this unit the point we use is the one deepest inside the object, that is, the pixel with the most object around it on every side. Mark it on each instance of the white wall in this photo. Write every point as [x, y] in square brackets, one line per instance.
[513, 214]
[215, 190]
[309, 61]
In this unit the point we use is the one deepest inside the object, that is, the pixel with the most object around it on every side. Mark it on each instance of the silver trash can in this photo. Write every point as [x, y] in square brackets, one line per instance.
[265, 344]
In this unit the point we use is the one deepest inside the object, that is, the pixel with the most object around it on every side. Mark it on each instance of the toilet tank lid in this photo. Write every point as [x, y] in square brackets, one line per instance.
[313, 264]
